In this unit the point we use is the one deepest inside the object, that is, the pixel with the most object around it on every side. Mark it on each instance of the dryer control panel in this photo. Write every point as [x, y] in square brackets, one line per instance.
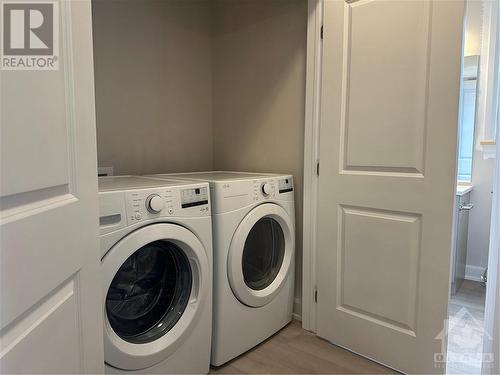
[285, 185]
[271, 188]
[232, 195]
[263, 189]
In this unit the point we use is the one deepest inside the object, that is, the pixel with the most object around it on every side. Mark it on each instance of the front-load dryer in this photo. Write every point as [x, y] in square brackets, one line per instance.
[156, 243]
[253, 229]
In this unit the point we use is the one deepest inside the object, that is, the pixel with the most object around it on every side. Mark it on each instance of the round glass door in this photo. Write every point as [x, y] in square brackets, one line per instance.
[263, 253]
[156, 283]
[149, 292]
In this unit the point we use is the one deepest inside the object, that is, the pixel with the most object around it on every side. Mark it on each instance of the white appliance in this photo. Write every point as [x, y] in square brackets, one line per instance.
[254, 236]
[156, 243]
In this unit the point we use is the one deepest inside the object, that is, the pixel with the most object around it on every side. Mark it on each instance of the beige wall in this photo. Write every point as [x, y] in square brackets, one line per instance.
[259, 59]
[153, 79]
[204, 85]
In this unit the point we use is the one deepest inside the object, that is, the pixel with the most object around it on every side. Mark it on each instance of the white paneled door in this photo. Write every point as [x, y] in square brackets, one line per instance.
[389, 119]
[50, 311]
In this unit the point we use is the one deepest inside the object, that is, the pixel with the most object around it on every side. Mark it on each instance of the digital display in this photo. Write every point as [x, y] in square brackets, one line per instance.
[285, 185]
[194, 197]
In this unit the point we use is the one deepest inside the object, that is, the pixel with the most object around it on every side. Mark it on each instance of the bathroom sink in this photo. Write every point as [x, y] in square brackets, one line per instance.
[463, 189]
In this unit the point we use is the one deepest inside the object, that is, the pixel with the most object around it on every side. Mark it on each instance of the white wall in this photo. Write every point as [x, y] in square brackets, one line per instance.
[479, 219]
[482, 169]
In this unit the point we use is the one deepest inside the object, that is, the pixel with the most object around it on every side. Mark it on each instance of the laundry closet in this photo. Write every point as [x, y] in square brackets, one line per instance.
[187, 256]
[200, 85]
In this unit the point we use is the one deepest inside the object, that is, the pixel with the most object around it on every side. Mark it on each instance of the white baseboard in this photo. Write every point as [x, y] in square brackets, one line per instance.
[297, 309]
[473, 273]
[297, 317]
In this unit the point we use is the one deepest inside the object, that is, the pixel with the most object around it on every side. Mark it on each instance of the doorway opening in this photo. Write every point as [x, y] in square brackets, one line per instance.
[476, 160]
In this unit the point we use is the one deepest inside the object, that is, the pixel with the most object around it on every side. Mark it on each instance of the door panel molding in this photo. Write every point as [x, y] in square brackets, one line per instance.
[69, 90]
[17, 206]
[41, 191]
[14, 333]
[376, 135]
[363, 295]
[32, 330]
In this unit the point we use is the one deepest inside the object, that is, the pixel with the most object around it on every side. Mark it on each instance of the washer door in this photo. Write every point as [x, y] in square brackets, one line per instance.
[155, 281]
[260, 254]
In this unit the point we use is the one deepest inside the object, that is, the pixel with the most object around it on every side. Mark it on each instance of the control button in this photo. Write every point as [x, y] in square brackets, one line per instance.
[155, 203]
[266, 188]
[138, 216]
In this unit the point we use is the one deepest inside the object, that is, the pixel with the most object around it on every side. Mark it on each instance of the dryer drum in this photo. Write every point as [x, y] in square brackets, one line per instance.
[149, 292]
[263, 253]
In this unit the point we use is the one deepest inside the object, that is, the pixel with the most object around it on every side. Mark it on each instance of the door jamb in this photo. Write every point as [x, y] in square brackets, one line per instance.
[491, 343]
[311, 162]
[492, 303]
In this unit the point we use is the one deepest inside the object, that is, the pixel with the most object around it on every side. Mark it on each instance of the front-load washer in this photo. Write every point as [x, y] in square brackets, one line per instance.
[156, 243]
[253, 229]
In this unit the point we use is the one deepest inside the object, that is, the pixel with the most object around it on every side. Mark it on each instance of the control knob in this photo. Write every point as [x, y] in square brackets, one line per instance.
[155, 203]
[266, 188]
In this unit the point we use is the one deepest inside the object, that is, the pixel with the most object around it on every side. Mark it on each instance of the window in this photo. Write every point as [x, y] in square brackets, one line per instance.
[466, 131]
[467, 118]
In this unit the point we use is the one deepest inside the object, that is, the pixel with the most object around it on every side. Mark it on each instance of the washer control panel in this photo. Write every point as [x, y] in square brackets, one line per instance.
[194, 197]
[148, 204]
[155, 203]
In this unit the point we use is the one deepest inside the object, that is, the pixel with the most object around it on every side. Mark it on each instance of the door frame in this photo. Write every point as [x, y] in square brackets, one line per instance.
[491, 50]
[311, 161]
[310, 195]
[492, 303]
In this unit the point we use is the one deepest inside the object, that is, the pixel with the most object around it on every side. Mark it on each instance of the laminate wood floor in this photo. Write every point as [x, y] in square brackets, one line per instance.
[466, 329]
[296, 351]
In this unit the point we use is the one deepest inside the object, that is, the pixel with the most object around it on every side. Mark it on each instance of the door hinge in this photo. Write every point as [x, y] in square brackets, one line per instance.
[321, 32]
[315, 295]
[317, 168]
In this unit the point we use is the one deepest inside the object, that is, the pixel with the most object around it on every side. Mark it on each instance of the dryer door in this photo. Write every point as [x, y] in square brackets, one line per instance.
[261, 254]
[155, 281]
